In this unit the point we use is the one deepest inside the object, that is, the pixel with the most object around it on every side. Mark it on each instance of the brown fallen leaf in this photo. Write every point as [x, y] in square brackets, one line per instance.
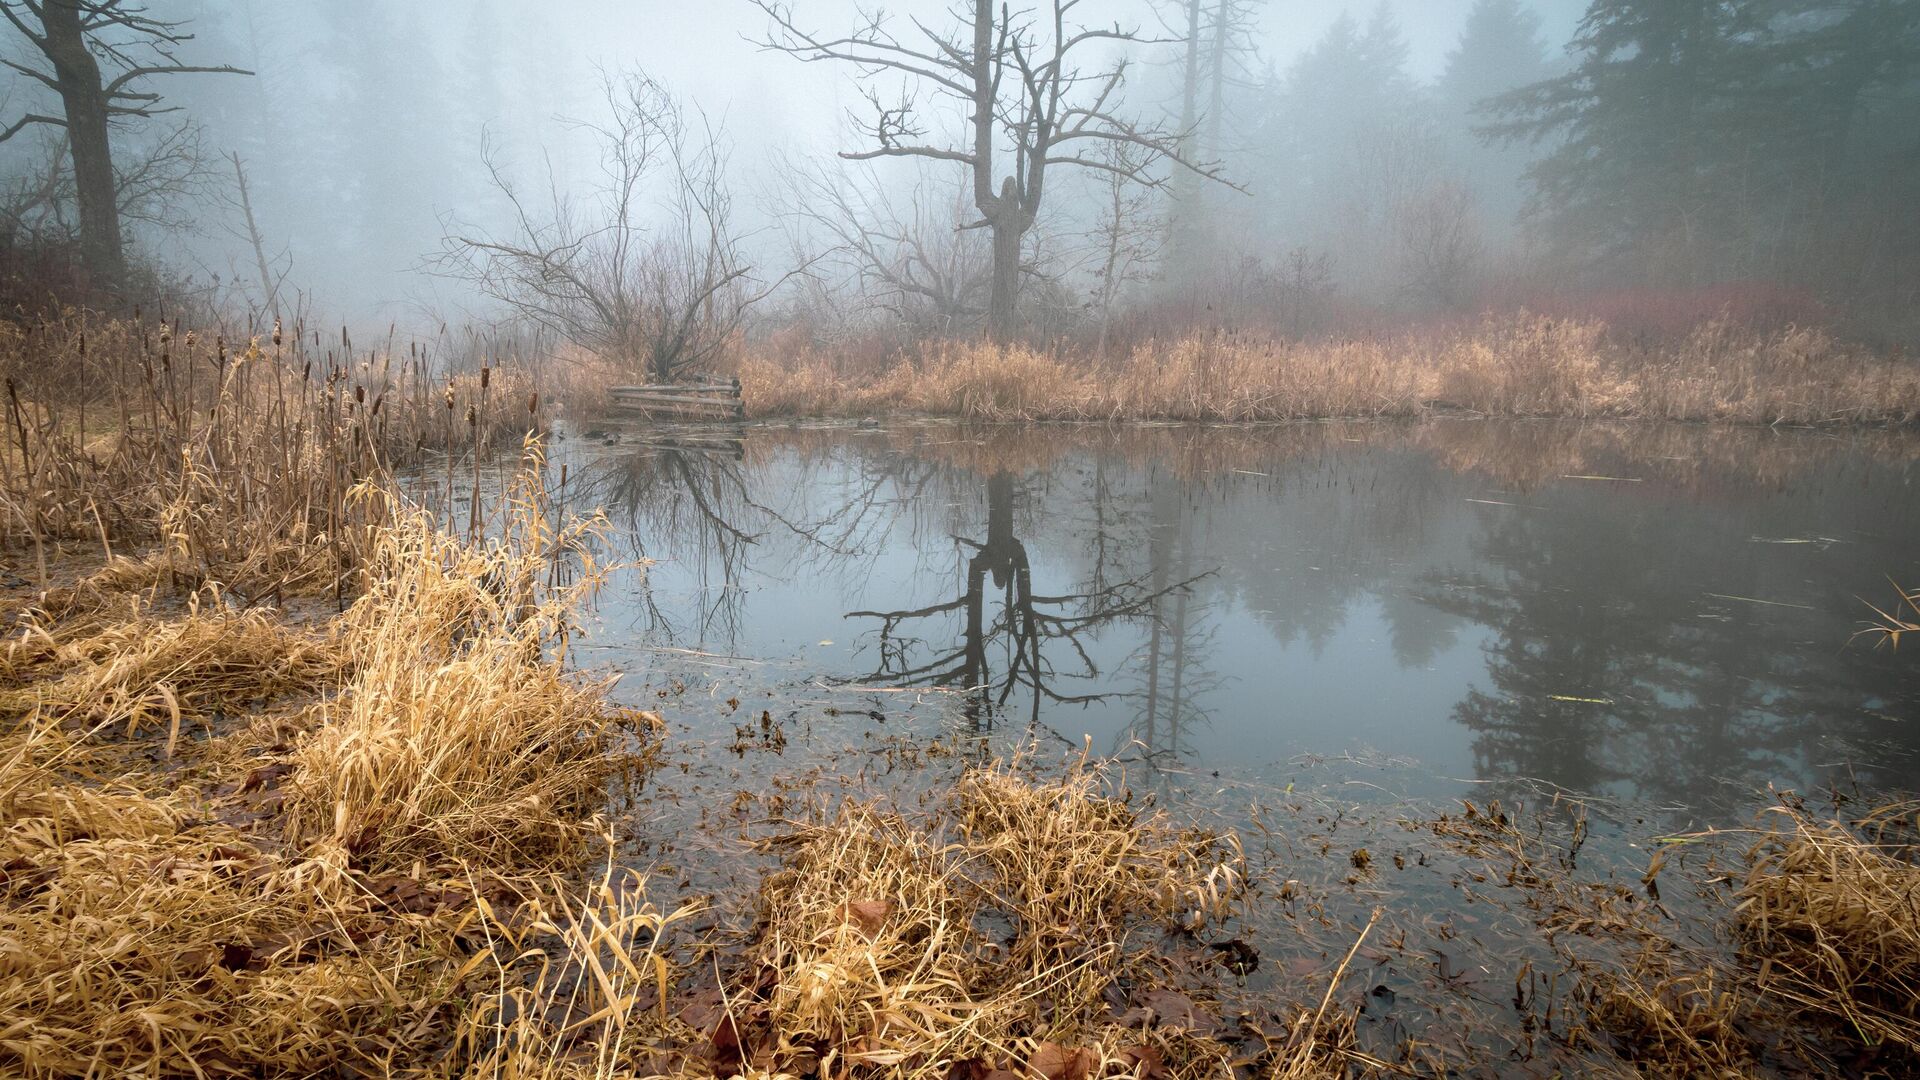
[1143, 1062]
[869, 915]
[1169, 1008]
[1055, 1062]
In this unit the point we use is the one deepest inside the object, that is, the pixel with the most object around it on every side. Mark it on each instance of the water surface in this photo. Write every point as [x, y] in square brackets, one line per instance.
[1665, 615]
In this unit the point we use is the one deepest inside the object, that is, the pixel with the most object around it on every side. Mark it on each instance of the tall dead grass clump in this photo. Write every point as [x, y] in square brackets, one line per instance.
[138, 936]
[986, 937]
[1527, 367]
[460, 734]
[580, 978]
[1831, 917]
[994, 382]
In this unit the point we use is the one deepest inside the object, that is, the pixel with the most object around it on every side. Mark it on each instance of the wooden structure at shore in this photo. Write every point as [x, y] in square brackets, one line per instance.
[709, 400]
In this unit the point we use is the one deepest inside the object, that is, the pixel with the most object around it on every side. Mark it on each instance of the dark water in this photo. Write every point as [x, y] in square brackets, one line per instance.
[1661, 615]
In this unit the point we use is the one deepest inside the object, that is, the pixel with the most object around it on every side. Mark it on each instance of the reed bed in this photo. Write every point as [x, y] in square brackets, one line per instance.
[235, 459]
[460, 734]
[1525, 366]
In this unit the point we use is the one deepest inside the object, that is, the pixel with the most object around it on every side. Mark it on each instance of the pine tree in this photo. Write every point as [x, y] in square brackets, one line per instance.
[1500, 49]
[1646, 139]
[1712, 140]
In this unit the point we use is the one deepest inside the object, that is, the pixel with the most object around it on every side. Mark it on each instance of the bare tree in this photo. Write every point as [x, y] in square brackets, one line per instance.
[157, 182]
[271, 271]
[74, 37]
[1019, 77]
[919, 262]
[1130, 234]
[1218, 45]
[643, 277]
[1439, 242]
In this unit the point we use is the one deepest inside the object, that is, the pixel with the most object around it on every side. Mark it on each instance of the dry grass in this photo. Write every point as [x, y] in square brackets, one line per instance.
[362, 902]
[1507, 367]
[1831, 916]
[460, 734]
[138, 937]
[992, 935]
[160, 672]
[580, 986]
[235, 461]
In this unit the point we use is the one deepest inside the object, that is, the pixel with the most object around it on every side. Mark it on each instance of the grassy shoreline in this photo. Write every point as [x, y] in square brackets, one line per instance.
[1512, 367]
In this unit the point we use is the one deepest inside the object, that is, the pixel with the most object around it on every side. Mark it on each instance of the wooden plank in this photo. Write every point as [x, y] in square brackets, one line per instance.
[662, 399]
[697, 388]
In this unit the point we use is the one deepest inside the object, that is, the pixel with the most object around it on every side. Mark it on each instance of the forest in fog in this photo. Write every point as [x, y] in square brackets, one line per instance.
[815, 169]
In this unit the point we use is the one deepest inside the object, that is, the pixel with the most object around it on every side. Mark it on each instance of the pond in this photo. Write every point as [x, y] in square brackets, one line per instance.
[1661, 615]
[1333, 640]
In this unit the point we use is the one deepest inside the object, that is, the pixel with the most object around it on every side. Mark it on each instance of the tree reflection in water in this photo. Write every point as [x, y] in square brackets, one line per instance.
[1026, 633]
[1481, 598]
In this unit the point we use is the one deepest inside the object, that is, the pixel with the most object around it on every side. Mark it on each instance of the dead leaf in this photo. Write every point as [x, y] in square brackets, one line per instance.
[703, 1010]
[1170, 1009]
[869, 915]
[1143, 1062]
[1055, 1062]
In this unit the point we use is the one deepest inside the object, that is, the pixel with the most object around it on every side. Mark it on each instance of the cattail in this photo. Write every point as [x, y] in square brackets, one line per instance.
[360, 394]
[276, 333]
[473, 417]
[485, 371]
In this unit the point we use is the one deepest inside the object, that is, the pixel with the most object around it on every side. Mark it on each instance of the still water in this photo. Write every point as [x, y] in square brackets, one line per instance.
[1662, 615]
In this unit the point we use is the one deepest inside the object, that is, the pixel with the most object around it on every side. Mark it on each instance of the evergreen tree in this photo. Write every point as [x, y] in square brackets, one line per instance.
[1722, 139]
[1644, 124]
[1500, 49]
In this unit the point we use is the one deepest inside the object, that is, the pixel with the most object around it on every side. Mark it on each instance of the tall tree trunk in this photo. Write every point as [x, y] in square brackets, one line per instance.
[77, 75]
[1217, 81]
[1003, 305]
[1185, 185]
[269, 293]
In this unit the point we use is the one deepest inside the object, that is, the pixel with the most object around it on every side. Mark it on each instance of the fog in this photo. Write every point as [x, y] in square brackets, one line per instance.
[1347, 156]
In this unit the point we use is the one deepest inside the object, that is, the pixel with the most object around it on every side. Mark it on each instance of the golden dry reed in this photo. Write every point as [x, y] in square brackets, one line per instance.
[225, 462]
[349, 870]
[1525, 366]
[1831, 916]
[459, 734]
[872, 959]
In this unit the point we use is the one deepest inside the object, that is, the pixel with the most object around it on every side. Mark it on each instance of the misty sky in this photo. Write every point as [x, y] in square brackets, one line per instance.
[541, 62]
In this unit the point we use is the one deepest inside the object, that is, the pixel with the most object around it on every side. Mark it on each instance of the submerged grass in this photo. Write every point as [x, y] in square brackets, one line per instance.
[1521, 366]
[1803, 960]
[1019, 928]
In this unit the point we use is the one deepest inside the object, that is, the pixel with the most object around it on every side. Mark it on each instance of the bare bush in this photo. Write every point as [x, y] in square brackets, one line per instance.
[645, 270]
